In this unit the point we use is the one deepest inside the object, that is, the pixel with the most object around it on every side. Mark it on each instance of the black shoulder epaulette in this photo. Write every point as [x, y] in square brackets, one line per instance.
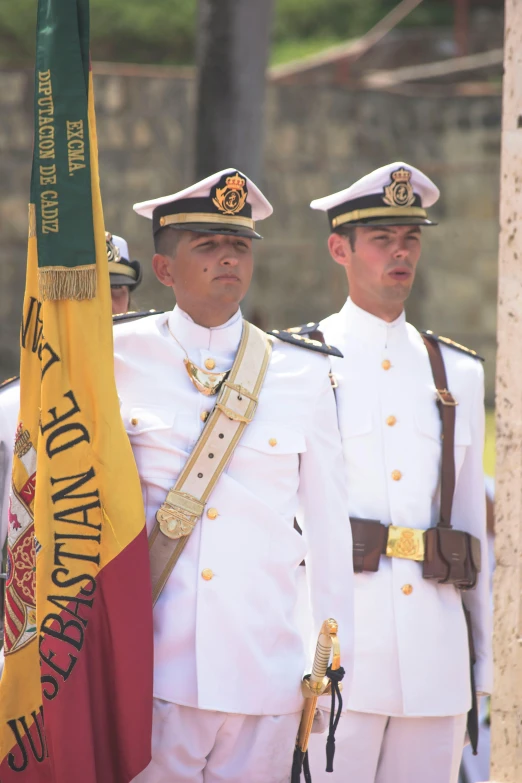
[452, 344]
[9, 381]
[123, 318]
[306, 336]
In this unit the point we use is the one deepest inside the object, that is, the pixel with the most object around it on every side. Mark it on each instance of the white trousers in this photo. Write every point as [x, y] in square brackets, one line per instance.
[476, 768]
[376, 749]
[201, 746]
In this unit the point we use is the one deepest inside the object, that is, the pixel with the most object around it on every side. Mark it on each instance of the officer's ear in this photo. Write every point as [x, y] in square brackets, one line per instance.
[340, 247]
[162, 269]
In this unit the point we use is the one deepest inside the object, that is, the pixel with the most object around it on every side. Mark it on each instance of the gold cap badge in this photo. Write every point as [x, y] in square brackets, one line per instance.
[231, 198]
[399, 193]
[113, 251]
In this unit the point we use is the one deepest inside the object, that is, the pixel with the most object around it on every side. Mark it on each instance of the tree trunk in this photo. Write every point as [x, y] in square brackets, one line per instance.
[233, 48]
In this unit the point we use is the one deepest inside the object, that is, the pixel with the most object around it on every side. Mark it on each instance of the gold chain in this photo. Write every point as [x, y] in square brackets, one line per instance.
[207, 382]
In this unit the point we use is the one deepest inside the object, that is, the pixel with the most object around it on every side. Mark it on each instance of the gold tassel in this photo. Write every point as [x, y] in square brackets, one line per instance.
[32, 221]
[60, 282]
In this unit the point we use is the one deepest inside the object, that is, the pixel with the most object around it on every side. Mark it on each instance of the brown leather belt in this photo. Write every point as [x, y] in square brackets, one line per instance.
[371, 539]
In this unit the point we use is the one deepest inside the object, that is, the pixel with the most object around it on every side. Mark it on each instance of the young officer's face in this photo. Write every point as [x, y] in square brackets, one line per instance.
[212, 269]
[120, 297]
[382, 264]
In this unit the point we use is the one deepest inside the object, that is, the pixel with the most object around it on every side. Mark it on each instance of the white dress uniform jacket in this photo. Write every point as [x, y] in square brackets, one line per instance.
[9, 407]
[231, 642]
[411, 648]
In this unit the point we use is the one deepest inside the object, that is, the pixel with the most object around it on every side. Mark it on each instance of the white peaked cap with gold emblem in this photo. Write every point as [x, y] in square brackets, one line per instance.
[122, 246]
[224, 203]
[396, 194]
[122, 271]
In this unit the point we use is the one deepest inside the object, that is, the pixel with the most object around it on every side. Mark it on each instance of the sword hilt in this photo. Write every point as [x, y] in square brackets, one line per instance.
[326, 642]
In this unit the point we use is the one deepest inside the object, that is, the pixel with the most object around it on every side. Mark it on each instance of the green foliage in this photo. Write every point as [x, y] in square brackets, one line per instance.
[295, 19]
[164, 31]
[342, 19]
[289, 49]
[152, 31]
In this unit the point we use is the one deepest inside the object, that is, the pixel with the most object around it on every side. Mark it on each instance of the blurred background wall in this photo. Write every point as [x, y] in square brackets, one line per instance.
[318, 139]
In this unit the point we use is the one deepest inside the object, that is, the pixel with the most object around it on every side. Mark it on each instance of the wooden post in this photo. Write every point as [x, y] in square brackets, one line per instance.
[506, 763]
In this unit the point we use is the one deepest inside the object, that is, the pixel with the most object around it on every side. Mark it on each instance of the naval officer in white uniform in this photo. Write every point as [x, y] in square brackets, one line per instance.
[406, 711]
[229, 657]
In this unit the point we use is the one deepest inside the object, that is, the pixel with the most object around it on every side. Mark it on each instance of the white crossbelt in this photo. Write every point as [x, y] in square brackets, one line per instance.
[185, 502]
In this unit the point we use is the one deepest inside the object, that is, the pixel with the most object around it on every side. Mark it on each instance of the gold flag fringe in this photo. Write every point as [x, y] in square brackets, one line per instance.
[32, 221]
[60, 282]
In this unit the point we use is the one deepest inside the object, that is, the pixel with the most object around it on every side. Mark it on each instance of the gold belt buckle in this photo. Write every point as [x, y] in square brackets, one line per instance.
[405, 542]
[178, 514]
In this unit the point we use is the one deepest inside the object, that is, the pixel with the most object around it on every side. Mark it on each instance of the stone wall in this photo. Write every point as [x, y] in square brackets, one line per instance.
[317, 140]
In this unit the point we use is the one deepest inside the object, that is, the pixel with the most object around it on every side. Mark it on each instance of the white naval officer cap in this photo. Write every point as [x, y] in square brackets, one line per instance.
[224, 203]
[122, 246]
[122, 271]
[394, 195]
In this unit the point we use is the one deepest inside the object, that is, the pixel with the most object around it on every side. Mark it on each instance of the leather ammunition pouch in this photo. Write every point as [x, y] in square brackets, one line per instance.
[369, 543]
[451, 557]
[447, 555]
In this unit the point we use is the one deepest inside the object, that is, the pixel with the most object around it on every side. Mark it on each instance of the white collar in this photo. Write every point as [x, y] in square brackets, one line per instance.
[368, 327]
[222, 339]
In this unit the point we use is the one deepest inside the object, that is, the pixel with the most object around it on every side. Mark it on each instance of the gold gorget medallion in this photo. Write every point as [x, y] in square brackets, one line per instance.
[208, 383]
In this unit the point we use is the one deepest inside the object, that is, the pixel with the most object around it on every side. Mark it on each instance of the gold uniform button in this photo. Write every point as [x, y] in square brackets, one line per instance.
[407, 589]
[210, 364]
[273, 442]
[203, 416]
[391, 421]
[212, 513]
[386, 364]
[396, 475]
[134, 422]
[207, 574]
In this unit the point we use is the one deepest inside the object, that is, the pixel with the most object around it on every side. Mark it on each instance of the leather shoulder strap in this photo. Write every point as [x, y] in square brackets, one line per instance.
[446, 405]
[234, 410]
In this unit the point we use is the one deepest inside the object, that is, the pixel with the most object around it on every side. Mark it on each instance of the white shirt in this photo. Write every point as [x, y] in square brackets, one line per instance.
[232, 643]
[411, 650]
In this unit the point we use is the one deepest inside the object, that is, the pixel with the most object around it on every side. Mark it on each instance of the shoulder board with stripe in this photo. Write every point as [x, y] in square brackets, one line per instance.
[452, 344]
[123, 318]
[309, 328]
[9, 381]
[306, 336]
